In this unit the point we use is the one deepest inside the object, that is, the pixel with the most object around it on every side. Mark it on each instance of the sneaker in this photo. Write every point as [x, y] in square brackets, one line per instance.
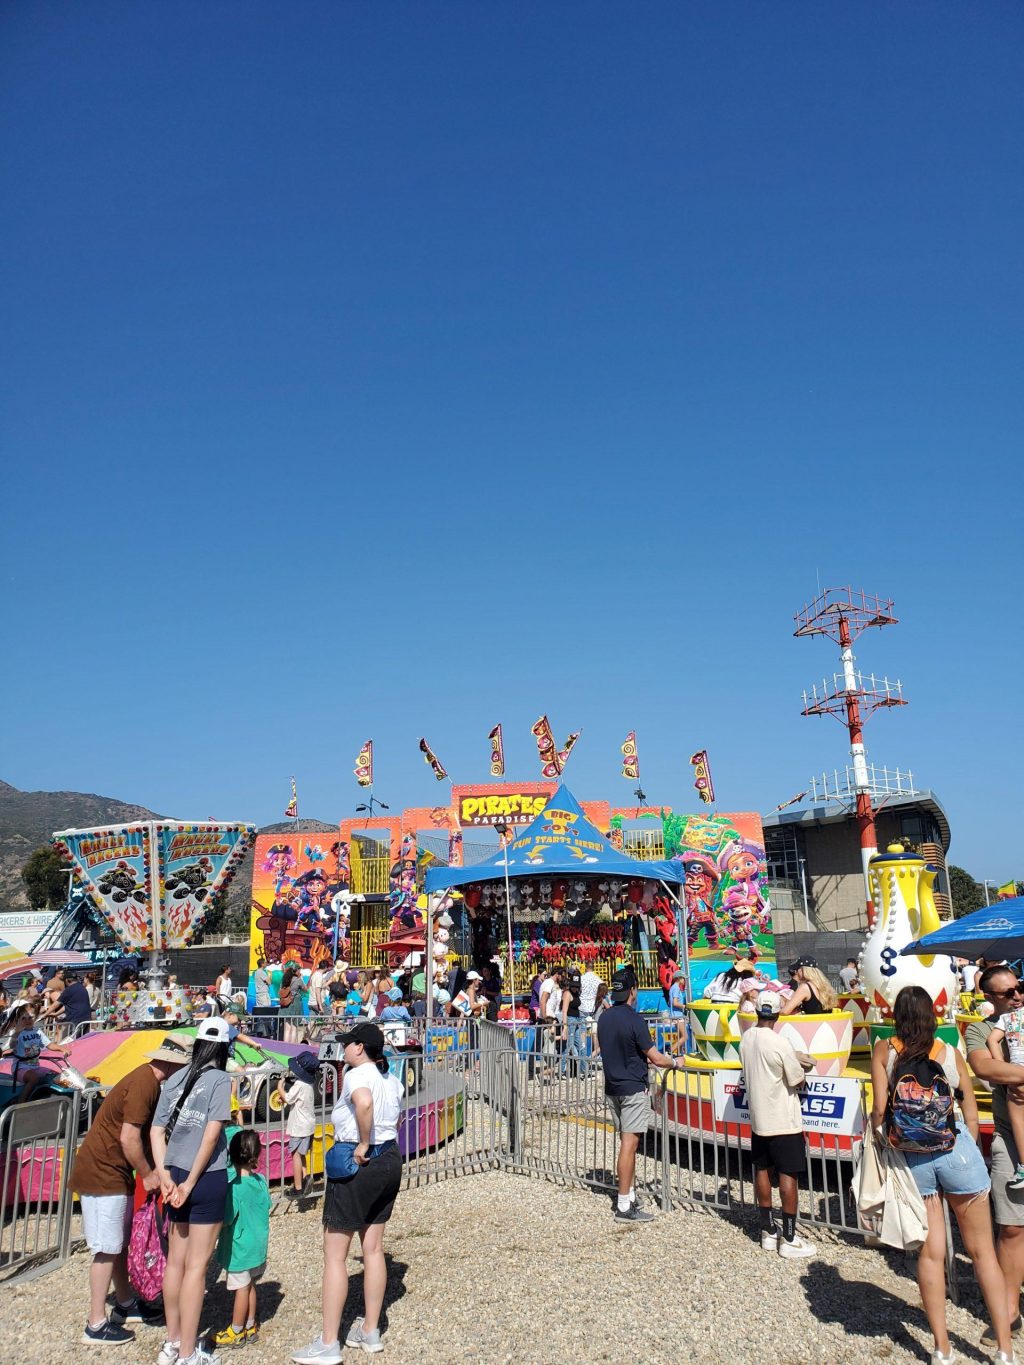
[316, 1353]
[988, 1337]
[369, 1341]
[798, 1247]
[107, 1334]
[307, 1187]
[129, 1312]
[252, 1333]
[770, 1240]
[292, 1193]
[1001, 1358]
[168, 1353]
[229, 1337]
[937, 1358]
[633, 1214]
[200, 1356]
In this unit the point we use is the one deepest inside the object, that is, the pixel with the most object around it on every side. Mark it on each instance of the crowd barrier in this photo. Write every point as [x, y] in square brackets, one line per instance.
[479, 1096]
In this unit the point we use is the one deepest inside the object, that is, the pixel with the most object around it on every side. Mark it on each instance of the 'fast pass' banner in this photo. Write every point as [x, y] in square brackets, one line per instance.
[112, 864]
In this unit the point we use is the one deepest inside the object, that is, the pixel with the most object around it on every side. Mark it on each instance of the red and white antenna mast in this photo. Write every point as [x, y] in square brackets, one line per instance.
[844, 614]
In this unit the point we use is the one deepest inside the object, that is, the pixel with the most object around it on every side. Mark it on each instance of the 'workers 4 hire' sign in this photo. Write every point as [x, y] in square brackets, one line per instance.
[828, 1104]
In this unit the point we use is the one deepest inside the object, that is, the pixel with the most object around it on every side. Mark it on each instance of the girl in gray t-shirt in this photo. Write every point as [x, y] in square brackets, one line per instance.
[190, 1156]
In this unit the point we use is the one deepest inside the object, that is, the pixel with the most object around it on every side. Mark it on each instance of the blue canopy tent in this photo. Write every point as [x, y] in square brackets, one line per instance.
[994, 933]
[560, 841]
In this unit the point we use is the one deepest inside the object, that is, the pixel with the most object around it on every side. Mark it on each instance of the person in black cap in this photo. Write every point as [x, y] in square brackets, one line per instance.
[365, 1116]
[628, 1050]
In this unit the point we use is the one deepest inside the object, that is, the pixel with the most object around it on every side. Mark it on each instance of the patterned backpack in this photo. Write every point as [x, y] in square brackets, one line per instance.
[921, 1107]
[147, 1251]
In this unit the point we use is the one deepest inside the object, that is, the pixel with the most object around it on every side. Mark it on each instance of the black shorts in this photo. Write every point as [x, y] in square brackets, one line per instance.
[366, 1197]
[207, 1201]
[785, 1153]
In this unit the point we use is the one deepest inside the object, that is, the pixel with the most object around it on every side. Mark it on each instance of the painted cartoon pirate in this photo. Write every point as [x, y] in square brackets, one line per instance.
[744, 904]
[701, 877]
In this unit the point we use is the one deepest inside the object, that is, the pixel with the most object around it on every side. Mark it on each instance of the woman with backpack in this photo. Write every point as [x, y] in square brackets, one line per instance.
[924, 1106]
[190, 1155]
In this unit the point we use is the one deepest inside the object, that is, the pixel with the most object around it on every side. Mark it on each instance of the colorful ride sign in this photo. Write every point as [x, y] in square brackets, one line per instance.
[154, 882]
[828, 1104]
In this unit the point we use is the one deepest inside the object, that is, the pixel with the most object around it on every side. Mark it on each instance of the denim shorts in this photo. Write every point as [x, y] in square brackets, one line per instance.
[958, 1171]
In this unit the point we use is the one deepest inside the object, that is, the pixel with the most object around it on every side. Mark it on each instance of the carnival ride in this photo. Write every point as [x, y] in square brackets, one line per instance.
[706, 1097]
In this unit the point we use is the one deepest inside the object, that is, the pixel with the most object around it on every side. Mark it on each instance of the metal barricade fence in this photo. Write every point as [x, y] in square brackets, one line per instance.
[37, 1147]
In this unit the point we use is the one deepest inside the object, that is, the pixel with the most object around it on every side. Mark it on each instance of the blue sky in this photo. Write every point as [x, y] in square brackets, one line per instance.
[395, 370]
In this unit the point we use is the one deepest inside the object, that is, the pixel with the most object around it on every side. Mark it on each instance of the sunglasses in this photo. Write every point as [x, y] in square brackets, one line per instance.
[1014, 990]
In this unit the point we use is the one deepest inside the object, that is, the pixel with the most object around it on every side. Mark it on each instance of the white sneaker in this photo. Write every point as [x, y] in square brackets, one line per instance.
[770, 1240]
[1001, 1358]
[168, 1353]
[798, 1247]
[939, 1359]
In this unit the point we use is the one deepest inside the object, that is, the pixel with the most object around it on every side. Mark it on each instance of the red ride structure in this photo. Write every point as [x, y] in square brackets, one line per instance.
[844, 614]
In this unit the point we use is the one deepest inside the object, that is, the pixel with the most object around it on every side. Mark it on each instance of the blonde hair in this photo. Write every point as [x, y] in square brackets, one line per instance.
[822, 988]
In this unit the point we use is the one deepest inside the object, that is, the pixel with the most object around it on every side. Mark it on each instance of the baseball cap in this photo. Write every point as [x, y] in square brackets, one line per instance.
[394, 993]
[214, 1031]
[473, 976]
[803, 962]
[768, 1004]
[366, 1033]
[621, 984]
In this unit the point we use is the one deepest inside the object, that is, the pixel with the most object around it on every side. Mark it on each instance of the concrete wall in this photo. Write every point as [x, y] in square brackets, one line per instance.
[834, 876]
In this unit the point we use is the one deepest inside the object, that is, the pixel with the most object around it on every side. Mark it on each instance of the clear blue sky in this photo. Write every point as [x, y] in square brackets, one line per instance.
[386, 370]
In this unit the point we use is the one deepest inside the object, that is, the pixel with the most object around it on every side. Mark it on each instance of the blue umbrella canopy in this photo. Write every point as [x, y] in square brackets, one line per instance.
[560, 841]
[995, 932]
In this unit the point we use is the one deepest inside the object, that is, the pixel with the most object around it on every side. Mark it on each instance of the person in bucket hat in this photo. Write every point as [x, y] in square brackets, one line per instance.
[300, 1099]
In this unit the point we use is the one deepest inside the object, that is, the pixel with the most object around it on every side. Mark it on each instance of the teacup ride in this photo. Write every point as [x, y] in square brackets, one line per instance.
[858, 1005]
[688, 1095]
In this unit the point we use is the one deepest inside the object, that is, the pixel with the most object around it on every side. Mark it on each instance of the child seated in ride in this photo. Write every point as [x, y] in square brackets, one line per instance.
[26, 1043]
[395, 1011]
[1006, 1043]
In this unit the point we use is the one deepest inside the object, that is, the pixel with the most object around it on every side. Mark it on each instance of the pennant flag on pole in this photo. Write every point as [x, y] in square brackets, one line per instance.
[563, 754]
[630, 758]
[432, 759]
[546, 751]
[364, 765]
[793, 800]
[497, 753]
[702, 777]
[292, 809]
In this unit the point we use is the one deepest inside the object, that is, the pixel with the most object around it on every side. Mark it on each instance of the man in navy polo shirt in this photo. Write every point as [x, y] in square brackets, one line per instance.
[627, 1051]
[72, 1005]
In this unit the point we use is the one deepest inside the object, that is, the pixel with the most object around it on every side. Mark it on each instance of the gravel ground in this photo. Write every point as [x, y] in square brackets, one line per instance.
[477, 1264]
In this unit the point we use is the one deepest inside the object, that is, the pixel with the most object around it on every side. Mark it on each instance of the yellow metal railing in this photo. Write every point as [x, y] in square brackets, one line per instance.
[646, 845]
[370, 876]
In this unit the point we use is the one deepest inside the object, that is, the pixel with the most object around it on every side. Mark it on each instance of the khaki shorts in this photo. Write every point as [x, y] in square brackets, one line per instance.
[632, 1113]
[242, 1279]
[1008, 1205]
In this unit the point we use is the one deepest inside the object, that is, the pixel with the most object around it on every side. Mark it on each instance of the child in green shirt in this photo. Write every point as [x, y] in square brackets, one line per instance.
[242, 1249]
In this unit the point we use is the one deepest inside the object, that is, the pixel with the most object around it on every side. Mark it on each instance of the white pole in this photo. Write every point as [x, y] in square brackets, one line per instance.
[985, 885]
[511, 959]
[803, 888]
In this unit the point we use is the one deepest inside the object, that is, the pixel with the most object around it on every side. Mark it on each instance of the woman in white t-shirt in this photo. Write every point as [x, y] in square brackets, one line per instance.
[367, 1114]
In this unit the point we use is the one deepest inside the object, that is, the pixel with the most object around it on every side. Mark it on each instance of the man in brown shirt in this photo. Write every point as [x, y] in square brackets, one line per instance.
[115, 1147]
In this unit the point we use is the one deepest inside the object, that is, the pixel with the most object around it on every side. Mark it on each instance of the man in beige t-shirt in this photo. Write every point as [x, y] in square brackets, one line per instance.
[774, 1076]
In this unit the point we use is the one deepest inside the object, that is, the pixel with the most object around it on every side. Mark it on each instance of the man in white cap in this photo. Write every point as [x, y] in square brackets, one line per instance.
[773, 1073]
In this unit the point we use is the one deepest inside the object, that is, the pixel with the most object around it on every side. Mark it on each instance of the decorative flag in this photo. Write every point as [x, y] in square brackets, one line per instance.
[563, 754]
[702, 777]
[546, 751]
[1006, 892]
[793, 800]
[292, 808]
[497, 753]
[432, 759]
[630, 758]
[364, 765]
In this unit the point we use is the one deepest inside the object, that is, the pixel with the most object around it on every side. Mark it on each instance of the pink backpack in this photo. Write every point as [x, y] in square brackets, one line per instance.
[147, 1250]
